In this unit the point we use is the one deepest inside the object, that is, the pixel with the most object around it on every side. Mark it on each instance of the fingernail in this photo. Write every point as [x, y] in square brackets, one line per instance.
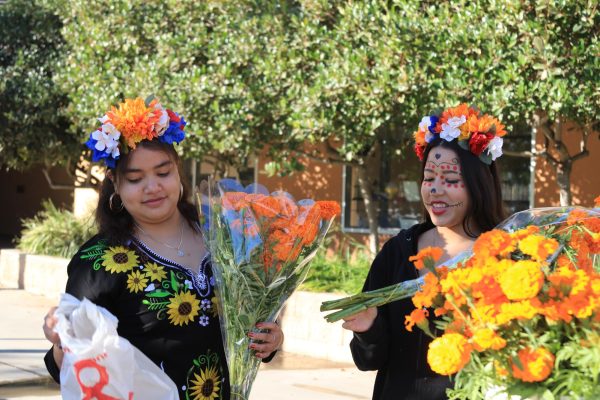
[250, 334]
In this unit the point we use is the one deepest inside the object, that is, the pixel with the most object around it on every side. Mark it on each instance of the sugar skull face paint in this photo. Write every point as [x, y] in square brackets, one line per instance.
[443, 190]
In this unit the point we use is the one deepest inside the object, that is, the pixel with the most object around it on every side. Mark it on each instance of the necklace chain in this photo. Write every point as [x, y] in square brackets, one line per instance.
[180, 251]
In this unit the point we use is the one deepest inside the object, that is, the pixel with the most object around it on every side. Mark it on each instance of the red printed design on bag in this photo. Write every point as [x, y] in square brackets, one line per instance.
[95, 391]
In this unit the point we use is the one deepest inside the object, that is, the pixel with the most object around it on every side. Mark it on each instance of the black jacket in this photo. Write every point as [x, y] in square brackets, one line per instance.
[399, 356]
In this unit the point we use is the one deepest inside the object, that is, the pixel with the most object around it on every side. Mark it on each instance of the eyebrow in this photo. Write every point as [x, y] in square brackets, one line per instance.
[162, 164]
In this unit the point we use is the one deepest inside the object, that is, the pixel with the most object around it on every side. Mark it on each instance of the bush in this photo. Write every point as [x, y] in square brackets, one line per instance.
[341, 272]
[54, 232]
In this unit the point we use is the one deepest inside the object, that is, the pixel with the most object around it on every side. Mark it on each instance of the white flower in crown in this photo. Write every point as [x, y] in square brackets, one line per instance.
[495, 147]
[107, 139]
[163, 123]
[450, 129]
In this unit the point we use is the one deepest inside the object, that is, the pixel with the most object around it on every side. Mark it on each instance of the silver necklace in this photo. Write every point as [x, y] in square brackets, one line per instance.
[180, 251]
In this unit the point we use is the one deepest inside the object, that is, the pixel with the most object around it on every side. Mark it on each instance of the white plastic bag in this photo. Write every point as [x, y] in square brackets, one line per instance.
[98, 364]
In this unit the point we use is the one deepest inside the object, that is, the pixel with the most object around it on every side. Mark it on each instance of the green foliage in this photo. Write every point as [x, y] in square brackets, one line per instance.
[338, 273]
[342, 272]
[55, 232]
[33, 128]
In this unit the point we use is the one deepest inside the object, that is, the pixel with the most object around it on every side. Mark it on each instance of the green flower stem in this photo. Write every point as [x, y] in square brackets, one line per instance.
[375, 298]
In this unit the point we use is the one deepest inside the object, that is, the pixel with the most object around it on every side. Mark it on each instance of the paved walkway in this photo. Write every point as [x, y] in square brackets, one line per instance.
[23, 375]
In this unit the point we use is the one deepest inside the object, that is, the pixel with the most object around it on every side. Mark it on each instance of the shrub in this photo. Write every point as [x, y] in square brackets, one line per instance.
[54, 232]
[343, 272]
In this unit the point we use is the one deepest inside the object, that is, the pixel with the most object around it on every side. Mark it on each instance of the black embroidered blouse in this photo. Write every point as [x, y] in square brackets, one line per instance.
[164, 309]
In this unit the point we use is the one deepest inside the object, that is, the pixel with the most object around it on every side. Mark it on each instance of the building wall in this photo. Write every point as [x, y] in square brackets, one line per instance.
[585, 174]
[321, 181]
[23, 193]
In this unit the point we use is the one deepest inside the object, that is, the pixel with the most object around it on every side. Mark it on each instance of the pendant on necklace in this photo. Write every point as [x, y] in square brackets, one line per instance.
[180, 253]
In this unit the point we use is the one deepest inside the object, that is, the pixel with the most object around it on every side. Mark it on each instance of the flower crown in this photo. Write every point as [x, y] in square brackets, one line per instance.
[133, 121]
[480, 134]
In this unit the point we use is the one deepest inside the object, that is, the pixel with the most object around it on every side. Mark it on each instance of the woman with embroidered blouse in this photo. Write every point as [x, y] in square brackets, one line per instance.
[148, 264]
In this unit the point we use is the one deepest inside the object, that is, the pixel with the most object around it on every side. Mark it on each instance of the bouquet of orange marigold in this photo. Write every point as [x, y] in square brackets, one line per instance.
[261, 245]
[521, 315]
[520, 312]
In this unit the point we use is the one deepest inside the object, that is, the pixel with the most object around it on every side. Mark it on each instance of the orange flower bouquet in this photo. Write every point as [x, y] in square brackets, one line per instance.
[521, 315]
[261, 245]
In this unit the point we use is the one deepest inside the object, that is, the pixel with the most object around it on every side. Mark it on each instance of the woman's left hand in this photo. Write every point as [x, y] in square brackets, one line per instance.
[267, 342]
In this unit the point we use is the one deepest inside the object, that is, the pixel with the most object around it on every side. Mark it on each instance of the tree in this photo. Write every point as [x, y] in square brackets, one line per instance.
[521, 60]
[33, 125]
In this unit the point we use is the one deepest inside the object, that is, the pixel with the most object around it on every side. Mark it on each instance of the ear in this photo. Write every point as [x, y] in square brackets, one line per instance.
[112, 178]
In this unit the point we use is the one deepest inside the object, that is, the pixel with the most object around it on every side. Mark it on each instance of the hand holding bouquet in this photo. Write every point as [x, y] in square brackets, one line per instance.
[261, 245]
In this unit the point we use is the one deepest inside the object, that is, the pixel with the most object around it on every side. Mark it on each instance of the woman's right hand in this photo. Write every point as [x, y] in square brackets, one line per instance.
[50, 322]
[362, 321]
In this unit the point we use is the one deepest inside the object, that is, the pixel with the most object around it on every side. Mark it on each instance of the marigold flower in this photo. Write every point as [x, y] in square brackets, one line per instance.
[427, 294]
[536, 364]
[265, 206]
[329, 209]
[426, 256]
[493, 243]
[416, 317]
[449, 353]
[597, 202]
[522, 280]
[538, 247]
[487, 338]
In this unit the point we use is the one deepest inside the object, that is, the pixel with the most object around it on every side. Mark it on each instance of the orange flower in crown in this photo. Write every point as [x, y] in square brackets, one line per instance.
[481, 134]
[132, 121]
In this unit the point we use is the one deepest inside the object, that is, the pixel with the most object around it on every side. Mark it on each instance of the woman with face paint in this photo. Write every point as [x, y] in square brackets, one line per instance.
[462, 198]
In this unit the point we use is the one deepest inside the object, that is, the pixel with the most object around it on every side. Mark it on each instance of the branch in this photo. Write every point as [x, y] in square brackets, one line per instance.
[522, 154]
[54, 186]
[579, 155]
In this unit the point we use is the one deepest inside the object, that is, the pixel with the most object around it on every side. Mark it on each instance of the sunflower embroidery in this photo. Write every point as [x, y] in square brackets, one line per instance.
[155, 272]
[204, 378]
[136, 282]
[119, 259]
[183, 307]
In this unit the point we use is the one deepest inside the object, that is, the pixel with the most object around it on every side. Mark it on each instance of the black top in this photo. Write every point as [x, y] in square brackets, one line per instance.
[399, 356]
[164, 309]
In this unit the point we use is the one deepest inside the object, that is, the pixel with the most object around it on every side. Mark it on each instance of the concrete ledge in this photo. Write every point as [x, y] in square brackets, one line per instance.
[12, 268]
[45, 275]
[307, 332]
[37, 274]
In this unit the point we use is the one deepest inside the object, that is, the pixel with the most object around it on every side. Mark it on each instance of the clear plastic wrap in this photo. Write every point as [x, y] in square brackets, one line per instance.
[261, 244]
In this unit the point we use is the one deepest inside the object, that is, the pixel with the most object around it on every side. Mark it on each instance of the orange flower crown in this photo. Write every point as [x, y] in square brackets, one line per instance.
[131, 122]
[479, 133]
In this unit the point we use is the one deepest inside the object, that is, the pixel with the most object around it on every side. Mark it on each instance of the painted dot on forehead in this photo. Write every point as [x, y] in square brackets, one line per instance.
[437, 156]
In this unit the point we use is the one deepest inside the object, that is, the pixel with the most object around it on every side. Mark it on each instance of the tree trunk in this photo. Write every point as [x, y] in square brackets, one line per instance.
[563, 180]
[367, 195]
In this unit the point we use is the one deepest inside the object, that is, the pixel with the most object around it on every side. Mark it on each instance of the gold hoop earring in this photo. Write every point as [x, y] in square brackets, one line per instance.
[180, 191]
[111, 204]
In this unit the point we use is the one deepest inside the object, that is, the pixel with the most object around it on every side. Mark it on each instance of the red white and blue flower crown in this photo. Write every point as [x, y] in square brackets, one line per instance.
[480, 134]
[132, 121]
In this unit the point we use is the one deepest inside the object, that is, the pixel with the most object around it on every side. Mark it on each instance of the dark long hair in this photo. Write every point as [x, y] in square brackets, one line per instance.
[118, 225]
[486, 209]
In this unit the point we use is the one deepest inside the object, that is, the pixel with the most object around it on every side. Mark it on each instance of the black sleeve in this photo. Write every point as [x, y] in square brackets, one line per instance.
[370, 349]
[89, 274]
[51, 366]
